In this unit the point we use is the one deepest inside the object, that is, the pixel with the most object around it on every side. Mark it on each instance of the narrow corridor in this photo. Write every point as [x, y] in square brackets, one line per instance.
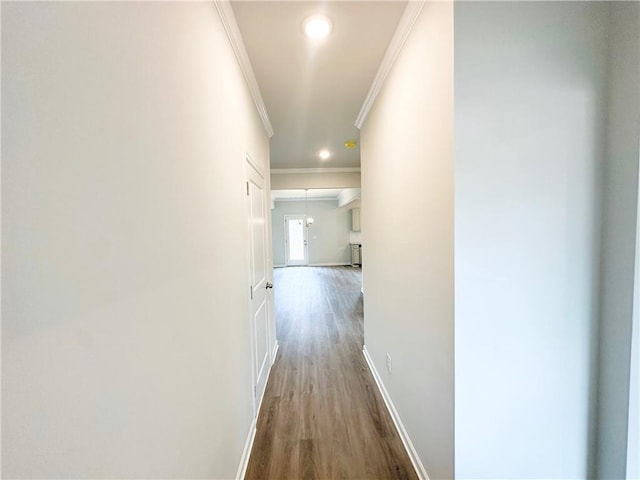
[322, 415]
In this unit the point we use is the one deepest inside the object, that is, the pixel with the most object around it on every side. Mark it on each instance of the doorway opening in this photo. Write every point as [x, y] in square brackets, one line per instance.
[316, 227]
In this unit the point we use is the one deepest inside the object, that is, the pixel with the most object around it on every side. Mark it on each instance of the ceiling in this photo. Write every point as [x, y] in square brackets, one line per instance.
[313, 90]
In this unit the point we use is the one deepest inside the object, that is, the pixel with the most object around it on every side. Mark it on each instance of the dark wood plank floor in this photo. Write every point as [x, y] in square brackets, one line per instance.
[322, 415]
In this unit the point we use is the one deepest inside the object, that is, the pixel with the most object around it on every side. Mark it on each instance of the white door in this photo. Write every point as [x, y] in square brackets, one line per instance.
[296, 239]
[259, 311]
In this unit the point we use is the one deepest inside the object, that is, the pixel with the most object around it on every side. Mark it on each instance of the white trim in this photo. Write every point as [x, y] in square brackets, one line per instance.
[336, 264]
[246, 453]
[404, 436]
[235, 38]
[274, 353]
[408, 19]
[290, 171]
[302, 199]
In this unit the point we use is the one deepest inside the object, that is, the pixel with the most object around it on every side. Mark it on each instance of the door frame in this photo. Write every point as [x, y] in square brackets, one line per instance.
[305, 237]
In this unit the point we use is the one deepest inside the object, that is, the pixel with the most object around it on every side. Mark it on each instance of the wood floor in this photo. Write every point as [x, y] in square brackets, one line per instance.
[322, 415]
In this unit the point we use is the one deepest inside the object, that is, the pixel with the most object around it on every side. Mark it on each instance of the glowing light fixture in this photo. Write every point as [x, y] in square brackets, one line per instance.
[324, 154]
[317, 26]
[308, 219]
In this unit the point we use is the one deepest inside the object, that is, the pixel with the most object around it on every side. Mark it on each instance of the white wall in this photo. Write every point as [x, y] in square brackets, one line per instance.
[289, 181]
[407, 186]
[530, 88]
[125, 316]
[328, 237]
[619, 238]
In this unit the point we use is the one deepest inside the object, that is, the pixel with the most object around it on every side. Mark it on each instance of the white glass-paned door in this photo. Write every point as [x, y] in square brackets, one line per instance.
[296, 240]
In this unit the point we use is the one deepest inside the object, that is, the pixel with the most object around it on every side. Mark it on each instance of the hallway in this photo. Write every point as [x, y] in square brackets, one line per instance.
[495, 147]
[322, 415]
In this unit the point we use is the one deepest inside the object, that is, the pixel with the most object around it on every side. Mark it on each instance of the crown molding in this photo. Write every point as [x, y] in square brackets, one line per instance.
[235, 38]
[408, 19]
[289, 171]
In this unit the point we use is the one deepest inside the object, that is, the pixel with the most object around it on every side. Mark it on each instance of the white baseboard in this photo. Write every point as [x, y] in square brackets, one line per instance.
[338, 264]
[404, 436]
[246, 453]
[248, 446]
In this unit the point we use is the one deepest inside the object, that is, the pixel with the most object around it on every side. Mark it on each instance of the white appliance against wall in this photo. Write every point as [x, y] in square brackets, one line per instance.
[259, 306]
[296, 245]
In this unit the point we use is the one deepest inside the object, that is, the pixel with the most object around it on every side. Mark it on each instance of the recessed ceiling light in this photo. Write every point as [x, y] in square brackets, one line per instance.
[324, 154]
[317, 26]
